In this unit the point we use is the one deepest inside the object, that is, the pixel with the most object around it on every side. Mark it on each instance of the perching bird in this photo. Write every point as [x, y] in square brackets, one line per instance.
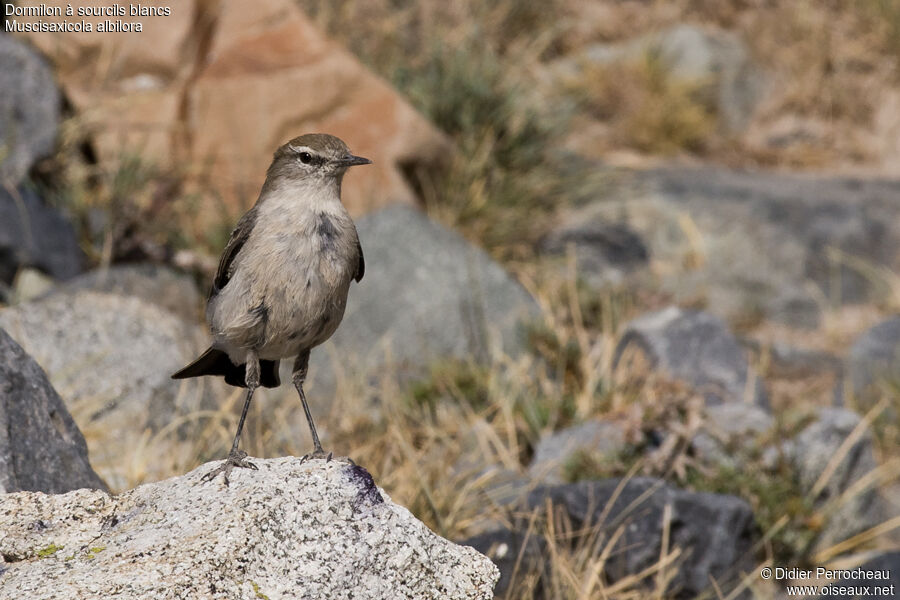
[282, 282]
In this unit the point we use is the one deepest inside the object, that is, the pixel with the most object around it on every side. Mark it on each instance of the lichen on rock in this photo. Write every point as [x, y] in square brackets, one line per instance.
[291, 529]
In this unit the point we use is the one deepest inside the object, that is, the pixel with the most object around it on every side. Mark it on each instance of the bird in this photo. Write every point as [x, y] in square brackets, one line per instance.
[283, 279]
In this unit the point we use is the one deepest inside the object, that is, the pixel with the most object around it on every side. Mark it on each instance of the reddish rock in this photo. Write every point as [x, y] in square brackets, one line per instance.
[215, 87]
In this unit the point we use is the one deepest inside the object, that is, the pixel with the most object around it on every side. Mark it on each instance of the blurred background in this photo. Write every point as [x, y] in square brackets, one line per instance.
[629, 321]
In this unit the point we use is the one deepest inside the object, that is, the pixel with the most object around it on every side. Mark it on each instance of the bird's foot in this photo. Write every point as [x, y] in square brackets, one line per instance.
[326, 456]
[236, 458]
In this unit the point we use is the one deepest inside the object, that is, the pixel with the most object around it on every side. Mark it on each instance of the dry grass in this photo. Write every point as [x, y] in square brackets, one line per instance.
[445, 447]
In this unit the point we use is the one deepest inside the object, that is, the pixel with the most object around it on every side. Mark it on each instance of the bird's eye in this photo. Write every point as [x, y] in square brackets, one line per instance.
[305, 157]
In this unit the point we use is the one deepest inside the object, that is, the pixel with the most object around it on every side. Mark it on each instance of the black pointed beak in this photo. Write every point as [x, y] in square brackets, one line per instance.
[351, 161]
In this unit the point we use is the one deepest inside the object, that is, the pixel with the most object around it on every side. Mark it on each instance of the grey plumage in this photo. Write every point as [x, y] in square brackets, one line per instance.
[282, 282]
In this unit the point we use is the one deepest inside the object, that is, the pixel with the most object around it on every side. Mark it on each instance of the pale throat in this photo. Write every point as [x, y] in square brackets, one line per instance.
[299, 198]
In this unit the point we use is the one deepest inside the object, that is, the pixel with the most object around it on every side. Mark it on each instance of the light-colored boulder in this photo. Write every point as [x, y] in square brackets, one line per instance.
[155, 284]
[289, 530]
[110, 358]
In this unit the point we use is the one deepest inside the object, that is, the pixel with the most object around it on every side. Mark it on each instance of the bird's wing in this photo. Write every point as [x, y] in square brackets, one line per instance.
[361, 266]
[235, 243]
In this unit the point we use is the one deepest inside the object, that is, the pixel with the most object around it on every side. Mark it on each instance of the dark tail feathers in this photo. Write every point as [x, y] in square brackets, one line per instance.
[216, 362]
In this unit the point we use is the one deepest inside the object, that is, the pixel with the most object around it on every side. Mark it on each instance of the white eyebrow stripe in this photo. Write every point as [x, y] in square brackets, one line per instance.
[299, 149]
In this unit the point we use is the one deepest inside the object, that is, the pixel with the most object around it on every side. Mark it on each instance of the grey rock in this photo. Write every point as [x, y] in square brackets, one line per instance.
[714, 532]
[800, 228]
[875, 356]
[599, 439]
[730, 433]
[156, 284]
[427, 295]
[813, 451]
[289, 530]
[510, 550]
[110, 357]
[695, 347]
[29, 109]
[886, 580]
[604, 252]
[763, 245]
[41, 448]
[33, 234]
[717, 61]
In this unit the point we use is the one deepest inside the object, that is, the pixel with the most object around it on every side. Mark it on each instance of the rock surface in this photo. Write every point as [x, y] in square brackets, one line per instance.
[598, 439]
[695, 347]
[814, 450]
[888, 567]
[714, 532]
[730, 433]
[156, 284]
[289, 530]
[875, 356]
[604, 252]
[41, 448]
[110, 357]
[178, 93]
[29, 109]
[427, 294]
[33, 234]
[760, 245]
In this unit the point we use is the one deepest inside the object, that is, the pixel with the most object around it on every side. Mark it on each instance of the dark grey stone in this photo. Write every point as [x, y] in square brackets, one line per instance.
[695, 347]
[507, 548]
[33, 234]
[887, 579]
[875, 356]
[603, 251]
[29, 109]
[41, 448]
[714, 532]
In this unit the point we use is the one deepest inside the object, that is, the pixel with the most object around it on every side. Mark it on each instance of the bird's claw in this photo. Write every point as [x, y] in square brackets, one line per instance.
[327, 456]
[236, 458]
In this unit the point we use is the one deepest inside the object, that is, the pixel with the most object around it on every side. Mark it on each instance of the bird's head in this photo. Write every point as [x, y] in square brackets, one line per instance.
[313, 157]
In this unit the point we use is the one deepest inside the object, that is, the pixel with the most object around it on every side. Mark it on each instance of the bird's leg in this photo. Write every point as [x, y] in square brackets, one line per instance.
[238, 458]
[301, 367]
